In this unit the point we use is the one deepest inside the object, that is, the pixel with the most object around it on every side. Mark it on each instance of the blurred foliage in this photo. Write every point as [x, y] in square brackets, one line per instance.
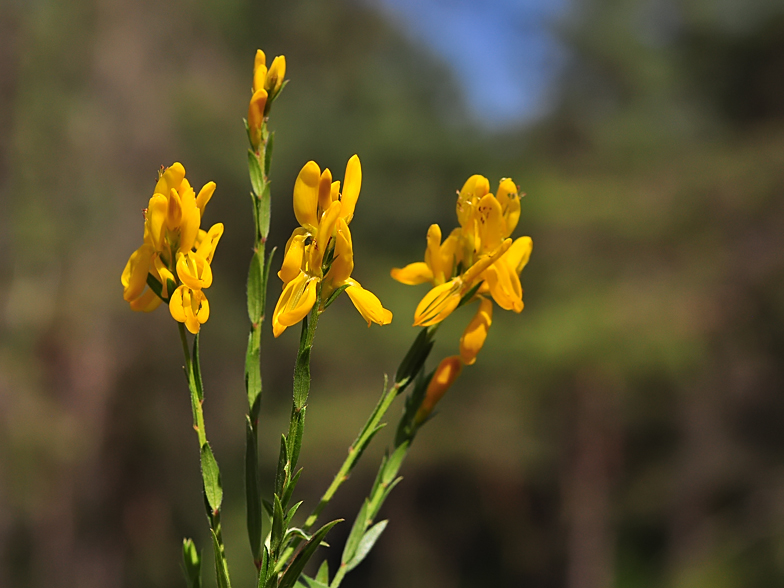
[624, 429]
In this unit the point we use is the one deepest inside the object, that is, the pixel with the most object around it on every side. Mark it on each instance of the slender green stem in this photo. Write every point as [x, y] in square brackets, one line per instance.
[185, 349]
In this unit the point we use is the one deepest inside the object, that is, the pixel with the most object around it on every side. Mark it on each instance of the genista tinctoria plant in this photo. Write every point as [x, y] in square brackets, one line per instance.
[478, 262]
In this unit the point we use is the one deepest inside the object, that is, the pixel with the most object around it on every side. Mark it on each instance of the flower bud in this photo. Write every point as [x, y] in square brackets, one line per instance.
[446, 373]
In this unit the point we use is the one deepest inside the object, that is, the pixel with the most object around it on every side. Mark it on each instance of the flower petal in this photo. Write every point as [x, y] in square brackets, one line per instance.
[259, 70]
[275, 75]
[292, 261]
[205, 194]
[414, 273]
[509, 198]
[519, 253]
[343, 260]
[210, 242]
[325, 190]
[368, 305]
[134, 276]
[170, 179]
[306, 195]
[302, 298]
[352, 182]
[438, 304]
[445, 375]
[147, 302]
[176, 304]
[474, 188]
[476, 332]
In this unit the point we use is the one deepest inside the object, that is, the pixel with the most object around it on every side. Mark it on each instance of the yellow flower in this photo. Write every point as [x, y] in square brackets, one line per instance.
[477, 254]
[445, 375]
[266, 85]
[319, 256]
[174, 249]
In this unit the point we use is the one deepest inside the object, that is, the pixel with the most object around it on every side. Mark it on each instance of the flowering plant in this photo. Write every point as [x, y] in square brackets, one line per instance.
[477, 262]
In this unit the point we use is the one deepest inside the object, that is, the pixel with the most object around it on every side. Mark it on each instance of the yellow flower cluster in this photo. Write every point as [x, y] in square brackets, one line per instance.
[320, 251]
[175, 251]
[266, 85]
[477, 253]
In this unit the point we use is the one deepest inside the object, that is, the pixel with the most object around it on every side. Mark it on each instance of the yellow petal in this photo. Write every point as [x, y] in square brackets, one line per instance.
[445, 375]
[147, 302]
[504, 285]
[209, 242]
[474, 188]
[134, 276]
[368, 305]
[276, 74]
[484, 262]
[449, 253]
[438, 304]
[164, 275]
[173, 210]
[259, 70]
[189, 229]
[256, 116]
[519, 253]
[343, 260]
[302, 298]
[326, 229]
[492, 225]
[176, 305]
[155, 221]
[324, 191]
[292, 261]
[433, 254]
[352, 182]
[306, 195]
[413, 273]
[476, 332]
[170, 179]
[200, 306]
[509, 198]
[204, 196]
[194, 271]
[334, 191]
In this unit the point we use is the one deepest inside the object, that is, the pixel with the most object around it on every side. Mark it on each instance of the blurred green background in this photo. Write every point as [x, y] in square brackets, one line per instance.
[624, 430]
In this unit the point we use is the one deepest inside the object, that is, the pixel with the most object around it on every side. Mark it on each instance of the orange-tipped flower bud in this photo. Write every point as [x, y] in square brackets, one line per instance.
[256, 116]
[445, 375]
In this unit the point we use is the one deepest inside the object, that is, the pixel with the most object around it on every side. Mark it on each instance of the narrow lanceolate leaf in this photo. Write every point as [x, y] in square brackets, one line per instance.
[305, 582]
[357, 530]
[335, 293]
[280, 475]
[256, 177]
[265, 281]
[252, 495]
[323, 573]
[393, 464]
[211, 476]
[277, 525]
[253, 372]
[221, 567]
[415, 358]
[302, 378]
[191, 564]
[294, 570]
[366, 544]
[268, 153]
[264, 212]
[264, 568]
[296, 428]
[289, 489]
[255, 283]
[196, 367]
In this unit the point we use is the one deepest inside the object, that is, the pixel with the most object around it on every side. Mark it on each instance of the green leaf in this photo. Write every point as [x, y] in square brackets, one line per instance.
[264, 568]
[211, 476]
[268, 153]
[280, 475]
[292, 511]
[337, 292]
[156, 287]
[296, 428]
[392, 466]
[415, 358]
[323, 573]
[254, 290]
[265, 282]
[196, 367]
[191, 564]
[302, 377]
[366, 544]
[289, 490]
[357, 531]
[267, 506]
[298, 563]
[256, 177]
[264, 211]
[470, 294]
[277, 525]
[253, 372]
[305, 582]
[252, 495]
[221, 568]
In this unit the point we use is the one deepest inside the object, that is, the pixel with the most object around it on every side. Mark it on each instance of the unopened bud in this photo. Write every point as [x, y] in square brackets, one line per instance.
[446, 373]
